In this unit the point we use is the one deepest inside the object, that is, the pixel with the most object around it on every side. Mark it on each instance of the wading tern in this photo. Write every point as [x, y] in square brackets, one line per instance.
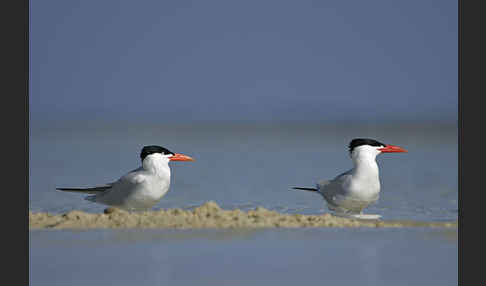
[354, 190]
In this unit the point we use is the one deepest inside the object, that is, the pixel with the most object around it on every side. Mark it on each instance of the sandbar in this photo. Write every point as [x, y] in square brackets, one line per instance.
[208, 215]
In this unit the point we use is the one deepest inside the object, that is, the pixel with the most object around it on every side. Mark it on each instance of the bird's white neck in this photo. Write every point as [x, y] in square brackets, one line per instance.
[157, 165]
[365, 166]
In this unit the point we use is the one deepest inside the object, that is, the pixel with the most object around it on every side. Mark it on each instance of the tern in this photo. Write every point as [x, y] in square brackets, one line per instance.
[141, 188]
[354, 190]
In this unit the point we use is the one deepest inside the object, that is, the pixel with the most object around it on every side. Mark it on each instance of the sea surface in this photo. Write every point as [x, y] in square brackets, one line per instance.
[245, 165]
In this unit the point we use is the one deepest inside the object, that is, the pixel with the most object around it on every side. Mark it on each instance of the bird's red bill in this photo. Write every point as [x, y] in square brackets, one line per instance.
[180, 157]
[392, 149]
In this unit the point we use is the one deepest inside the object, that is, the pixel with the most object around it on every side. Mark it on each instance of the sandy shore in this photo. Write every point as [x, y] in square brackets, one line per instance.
[208, 215]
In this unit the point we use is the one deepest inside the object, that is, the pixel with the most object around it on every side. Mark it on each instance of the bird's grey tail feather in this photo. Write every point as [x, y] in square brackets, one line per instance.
[90, 191]
[305, 189]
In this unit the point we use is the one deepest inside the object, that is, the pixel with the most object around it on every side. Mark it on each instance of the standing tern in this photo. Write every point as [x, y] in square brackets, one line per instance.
[352, 191]
[141, 188]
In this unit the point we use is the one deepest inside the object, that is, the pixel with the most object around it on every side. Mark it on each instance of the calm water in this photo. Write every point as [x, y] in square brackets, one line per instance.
[375, 257]
[244, 166]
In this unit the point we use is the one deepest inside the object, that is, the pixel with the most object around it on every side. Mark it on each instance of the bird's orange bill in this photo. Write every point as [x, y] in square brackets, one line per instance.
[180, 157]
[392, 149]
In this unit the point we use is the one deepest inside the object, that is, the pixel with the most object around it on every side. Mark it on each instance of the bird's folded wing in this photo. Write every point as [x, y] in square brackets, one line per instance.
[323, 183]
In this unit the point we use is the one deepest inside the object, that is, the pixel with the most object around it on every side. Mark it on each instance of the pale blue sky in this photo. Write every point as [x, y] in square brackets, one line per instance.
[243, 60]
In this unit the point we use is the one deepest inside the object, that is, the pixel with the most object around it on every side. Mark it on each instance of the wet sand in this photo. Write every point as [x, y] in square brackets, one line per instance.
[208, 215]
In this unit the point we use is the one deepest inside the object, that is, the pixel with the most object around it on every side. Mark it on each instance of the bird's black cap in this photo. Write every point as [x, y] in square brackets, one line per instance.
[363, 141]
[147, 150]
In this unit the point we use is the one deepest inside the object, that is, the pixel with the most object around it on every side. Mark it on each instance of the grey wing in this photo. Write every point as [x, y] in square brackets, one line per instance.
[118, 190]
[321, 185]
[333, 189]
[334, 183]
[132, 177]
[127, 180]
[103, 190]
[342, 176]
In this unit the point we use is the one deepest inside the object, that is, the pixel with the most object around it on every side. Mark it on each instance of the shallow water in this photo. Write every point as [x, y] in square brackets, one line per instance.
[244, 165]
[244, 257]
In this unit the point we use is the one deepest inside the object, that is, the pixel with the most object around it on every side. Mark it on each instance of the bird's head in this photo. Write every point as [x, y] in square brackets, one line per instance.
[372, 147]
[158, 153]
